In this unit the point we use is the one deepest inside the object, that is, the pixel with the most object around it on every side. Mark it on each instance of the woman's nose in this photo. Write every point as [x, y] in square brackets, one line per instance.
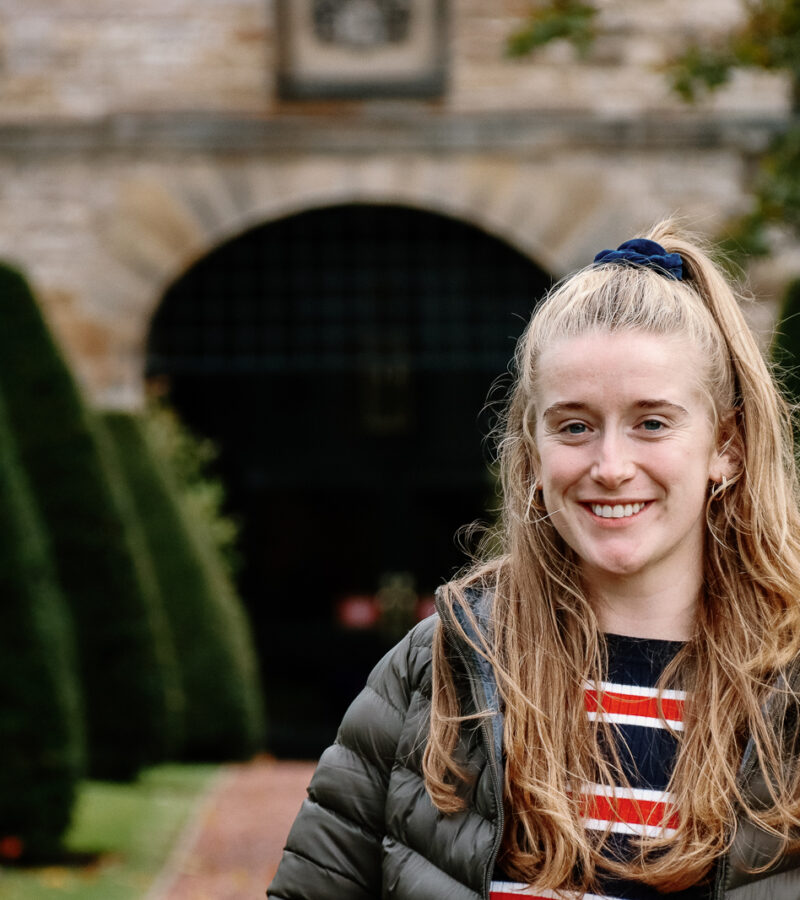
[614, 464]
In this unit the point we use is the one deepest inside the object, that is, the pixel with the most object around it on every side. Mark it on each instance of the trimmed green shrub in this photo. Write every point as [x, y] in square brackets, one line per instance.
[41, 718]
[127, 673]
[189, 460]
[223, 714]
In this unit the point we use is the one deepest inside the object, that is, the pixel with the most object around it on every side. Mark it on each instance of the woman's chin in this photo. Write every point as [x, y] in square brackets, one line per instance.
[614, 566]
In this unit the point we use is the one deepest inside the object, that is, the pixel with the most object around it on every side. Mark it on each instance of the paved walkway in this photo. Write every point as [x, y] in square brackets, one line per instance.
[233, 845]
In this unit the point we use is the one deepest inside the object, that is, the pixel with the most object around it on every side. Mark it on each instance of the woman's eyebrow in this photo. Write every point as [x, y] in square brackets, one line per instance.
[565, 406]
[661, 404]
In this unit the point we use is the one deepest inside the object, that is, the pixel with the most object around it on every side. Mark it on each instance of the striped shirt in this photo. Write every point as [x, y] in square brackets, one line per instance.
[628, 699]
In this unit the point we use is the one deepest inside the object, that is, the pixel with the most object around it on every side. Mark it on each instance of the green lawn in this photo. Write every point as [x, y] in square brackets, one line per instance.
[131, 828]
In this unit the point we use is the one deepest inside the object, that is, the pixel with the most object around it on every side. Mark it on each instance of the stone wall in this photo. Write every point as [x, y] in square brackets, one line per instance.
[83, 59]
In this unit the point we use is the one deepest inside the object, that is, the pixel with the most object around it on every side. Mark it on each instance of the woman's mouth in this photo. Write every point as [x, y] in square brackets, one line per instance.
[617, 511]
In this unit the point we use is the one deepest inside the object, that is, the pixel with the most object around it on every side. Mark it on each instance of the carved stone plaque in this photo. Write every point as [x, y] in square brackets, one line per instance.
[361, 48]
[362, 24]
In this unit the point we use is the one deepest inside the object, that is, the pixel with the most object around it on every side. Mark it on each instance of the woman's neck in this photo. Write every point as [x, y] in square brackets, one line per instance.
[665, 611]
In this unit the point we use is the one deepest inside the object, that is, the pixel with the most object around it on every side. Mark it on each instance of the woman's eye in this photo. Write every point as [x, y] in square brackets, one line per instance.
[652, 425]
[575, 428]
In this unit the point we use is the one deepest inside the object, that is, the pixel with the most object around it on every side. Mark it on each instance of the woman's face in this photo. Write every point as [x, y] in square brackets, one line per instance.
[627, 448]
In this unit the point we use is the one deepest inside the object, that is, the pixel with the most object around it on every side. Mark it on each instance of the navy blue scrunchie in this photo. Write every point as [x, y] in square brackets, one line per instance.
[641, 252]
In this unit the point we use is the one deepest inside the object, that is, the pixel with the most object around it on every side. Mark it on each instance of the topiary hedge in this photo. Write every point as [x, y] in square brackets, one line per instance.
[41, 717]
[126, 665]
[223, 713]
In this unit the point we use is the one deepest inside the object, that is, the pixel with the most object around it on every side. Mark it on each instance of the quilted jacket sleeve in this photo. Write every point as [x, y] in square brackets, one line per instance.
[334, 847]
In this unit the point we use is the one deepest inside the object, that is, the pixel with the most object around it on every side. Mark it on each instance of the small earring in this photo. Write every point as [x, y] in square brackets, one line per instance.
[719, 487]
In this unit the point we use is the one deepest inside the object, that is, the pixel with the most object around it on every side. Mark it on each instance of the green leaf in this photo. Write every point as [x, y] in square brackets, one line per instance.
[569, 20]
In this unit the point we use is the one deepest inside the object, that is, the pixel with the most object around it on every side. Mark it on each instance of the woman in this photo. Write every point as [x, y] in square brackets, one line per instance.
[605, 707]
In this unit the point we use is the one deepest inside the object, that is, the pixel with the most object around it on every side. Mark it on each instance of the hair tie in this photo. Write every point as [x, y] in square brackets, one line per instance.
[645, 253]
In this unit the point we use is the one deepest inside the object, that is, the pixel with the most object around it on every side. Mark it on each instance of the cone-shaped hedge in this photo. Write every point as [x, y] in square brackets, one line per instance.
[223, 712]
[41, 718]
[127, 674]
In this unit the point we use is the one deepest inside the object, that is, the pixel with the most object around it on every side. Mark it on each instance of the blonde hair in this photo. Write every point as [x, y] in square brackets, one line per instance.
[545, 644]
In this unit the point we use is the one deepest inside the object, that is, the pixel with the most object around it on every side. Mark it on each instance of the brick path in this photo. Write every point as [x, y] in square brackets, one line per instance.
[232, 848]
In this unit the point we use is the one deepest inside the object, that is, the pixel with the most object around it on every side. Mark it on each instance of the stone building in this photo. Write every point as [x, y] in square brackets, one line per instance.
[321, 224]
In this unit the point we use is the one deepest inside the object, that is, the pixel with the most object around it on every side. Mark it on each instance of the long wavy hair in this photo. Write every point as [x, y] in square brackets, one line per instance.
[544, 641]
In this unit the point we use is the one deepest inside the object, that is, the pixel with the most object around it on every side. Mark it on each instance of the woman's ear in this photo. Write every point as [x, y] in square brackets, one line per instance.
[728, 457]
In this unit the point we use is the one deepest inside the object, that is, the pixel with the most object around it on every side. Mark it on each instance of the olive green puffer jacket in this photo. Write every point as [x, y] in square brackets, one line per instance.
[368, 828]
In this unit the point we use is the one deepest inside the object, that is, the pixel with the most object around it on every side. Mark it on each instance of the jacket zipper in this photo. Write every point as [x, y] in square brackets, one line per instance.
[498, 794]
[486, 728]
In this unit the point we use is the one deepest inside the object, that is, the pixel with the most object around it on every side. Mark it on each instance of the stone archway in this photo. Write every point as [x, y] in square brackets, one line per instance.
[163, 219]
[341, 358]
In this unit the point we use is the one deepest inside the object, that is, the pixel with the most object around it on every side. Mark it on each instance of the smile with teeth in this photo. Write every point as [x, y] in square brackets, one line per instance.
[619, 511]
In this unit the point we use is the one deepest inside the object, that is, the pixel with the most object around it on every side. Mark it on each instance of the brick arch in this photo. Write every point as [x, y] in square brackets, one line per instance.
[163, 222]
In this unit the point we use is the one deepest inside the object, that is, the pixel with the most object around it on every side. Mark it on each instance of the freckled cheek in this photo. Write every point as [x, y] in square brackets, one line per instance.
[675, 466]
[560, 469]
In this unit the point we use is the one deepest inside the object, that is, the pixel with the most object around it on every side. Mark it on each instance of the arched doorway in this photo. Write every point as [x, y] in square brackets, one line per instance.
[341, 358]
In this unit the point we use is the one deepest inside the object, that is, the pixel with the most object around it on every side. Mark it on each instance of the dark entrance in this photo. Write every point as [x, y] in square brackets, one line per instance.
[341, 359]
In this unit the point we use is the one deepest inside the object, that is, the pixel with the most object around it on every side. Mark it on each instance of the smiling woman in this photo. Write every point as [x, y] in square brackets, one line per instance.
[625, 477]
[606, 705]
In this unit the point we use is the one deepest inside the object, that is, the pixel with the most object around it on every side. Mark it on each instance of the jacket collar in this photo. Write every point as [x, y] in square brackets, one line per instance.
[473, 619]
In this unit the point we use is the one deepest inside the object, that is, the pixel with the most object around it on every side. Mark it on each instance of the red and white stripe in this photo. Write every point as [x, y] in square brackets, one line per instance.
[624, 810]
[512, 890]
[633, 811]
[623, 704]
